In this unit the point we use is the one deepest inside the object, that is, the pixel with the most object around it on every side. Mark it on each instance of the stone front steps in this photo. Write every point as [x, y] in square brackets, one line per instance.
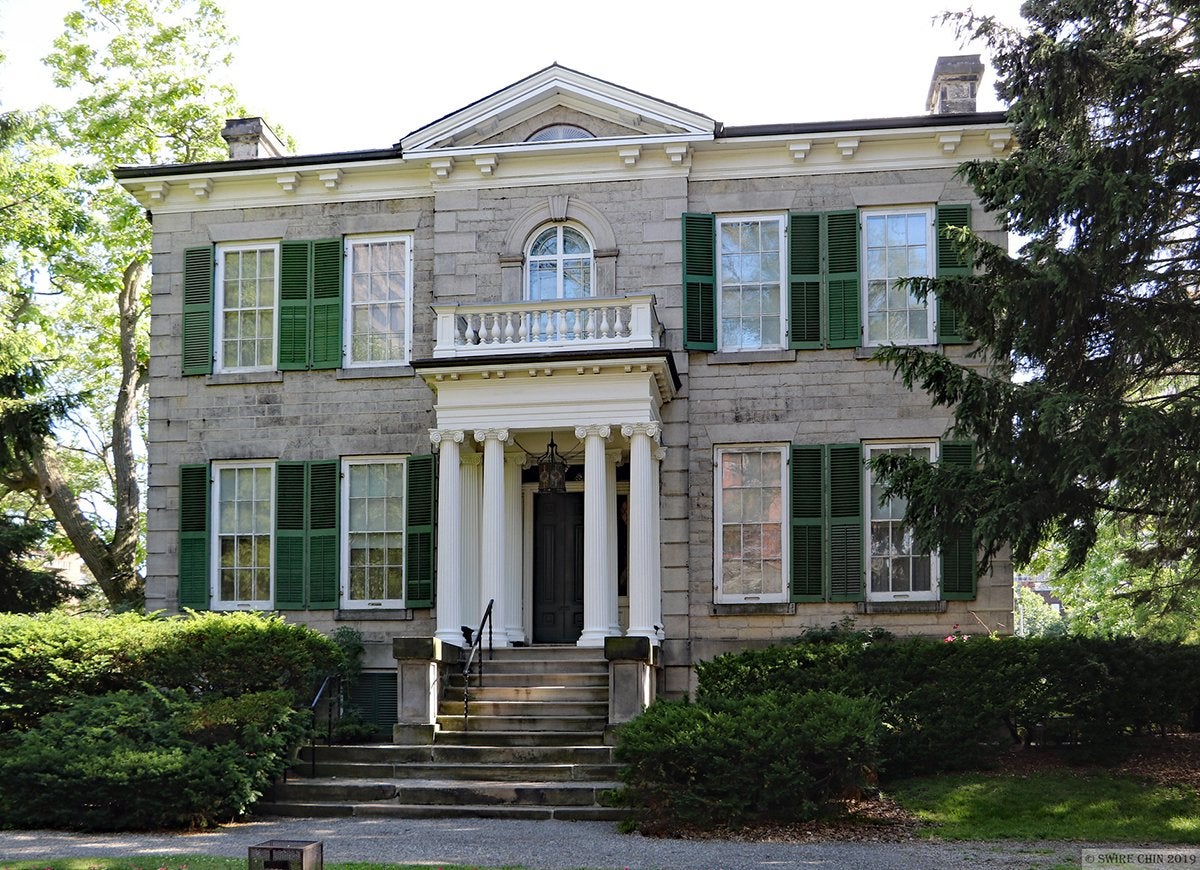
[532, 747]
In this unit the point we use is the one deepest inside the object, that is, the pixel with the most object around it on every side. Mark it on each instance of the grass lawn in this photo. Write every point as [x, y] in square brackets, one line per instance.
[193, 862]
[1052, 805]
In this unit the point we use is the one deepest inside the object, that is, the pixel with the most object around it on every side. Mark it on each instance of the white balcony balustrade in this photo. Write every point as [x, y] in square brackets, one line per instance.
[546, 326]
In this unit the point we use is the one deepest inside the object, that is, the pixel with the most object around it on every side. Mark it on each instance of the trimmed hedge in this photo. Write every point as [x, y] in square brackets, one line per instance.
[762, 758]
[46, 660]
[132, 722]
[950, 705]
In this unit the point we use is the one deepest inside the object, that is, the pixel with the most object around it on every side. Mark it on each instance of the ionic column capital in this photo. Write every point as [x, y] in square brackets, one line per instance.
[601, 429]
[482, 435]
[651, 430]
[472, 459]
[614, 457]
[437, 436]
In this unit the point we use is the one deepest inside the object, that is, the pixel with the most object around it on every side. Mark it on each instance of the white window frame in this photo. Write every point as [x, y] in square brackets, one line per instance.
[781, 595]
[219, 308]
[930, 271]
[218, 603]
[935, 564]
[782, 220]
[348, 360]
[348, 603]
[559, 258]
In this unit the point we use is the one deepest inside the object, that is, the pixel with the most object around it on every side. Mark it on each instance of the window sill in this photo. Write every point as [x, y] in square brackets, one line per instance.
[393, 371]
[221, 378]
[741, 357]
[374, 613]
[934, 606]
[781, 608]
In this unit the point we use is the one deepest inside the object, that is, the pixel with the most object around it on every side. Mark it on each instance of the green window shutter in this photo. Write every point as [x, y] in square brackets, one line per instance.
[950, 261]
[193, 536]
[373, 698]
[326, 321]
[323, 544]
[198, 310]
[845, 522]
[295, 267]
[958, 554]
[808, 576]
[289, 535]
[420, 566]
[699, 282]
[842, 289]
[804, 252]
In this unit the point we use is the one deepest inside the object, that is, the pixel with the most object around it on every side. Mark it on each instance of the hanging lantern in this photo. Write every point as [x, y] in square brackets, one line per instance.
[552, 469]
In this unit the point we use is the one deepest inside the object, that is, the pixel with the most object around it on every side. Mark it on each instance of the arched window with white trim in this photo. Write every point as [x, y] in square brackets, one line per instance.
[559, 264]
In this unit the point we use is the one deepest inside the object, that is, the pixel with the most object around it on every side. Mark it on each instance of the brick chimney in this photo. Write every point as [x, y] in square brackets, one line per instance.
[250, 138]
[955, 84]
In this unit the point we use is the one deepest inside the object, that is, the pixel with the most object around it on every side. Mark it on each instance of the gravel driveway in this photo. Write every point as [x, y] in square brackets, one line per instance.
[540, 845]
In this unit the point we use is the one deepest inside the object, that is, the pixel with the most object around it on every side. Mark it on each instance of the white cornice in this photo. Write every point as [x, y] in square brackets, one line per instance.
[696, 157]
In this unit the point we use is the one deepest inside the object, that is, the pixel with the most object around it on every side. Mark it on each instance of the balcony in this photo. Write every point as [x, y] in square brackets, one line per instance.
[546, 326]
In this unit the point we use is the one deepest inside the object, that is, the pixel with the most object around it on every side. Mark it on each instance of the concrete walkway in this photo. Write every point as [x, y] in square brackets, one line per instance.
[540, 845]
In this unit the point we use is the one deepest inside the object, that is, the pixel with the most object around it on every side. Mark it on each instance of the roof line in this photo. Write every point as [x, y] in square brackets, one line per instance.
[967, 118]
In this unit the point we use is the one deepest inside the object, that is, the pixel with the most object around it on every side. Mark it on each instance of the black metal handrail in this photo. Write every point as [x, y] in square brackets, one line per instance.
[474, 645]
[312, 737]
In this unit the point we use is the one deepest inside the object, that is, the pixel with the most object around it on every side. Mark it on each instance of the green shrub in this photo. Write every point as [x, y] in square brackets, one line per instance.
[145, 758]
[48, 659]
[770, 757]
[948, 706]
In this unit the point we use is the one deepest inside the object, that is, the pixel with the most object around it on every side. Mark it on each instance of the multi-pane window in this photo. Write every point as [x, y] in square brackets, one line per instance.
[243, 523]
[750, 274]
[897, 244]
[750, 514]
[378, 300]
[898, 568]
[247, 277]
[559, 264]
[374, 532]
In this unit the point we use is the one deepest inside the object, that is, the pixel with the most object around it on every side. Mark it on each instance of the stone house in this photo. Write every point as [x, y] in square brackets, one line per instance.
[571, 349]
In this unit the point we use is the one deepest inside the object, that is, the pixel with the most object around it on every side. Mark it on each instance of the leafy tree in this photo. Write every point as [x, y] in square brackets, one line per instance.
[1098, 315]
[24, 589]
[1036, 618]
[1111, 595]
[142, 75]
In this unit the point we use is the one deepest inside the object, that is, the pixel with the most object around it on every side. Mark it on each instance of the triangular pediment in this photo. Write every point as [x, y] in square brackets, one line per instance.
[556, 96]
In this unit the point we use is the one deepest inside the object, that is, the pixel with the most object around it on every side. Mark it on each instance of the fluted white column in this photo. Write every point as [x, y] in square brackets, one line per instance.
[658, 455]
[612, 459]
[472, 592]
[597, 576]
[493, 563]
[449, 563]
[644, 580]
[513, 546]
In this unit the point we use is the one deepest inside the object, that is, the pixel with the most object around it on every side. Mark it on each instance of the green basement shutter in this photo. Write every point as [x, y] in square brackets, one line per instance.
[295, 259]
[322, 556]
[807, 523]
[198, 310]
[420, 564]
[327, 257]
[804, 280]
[373, 698]
[842, 288]
[845, 523]
[959, 553]
[950, 262]
[289, 535]
[699, 282]
[193, 536]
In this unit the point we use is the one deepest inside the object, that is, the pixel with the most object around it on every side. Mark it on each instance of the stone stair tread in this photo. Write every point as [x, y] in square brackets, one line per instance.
[318, 809]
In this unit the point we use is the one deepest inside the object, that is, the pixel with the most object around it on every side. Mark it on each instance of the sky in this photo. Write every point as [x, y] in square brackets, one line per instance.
[360, 74]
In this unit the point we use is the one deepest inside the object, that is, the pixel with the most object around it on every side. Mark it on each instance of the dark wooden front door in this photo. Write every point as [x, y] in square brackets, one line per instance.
[557, 567]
